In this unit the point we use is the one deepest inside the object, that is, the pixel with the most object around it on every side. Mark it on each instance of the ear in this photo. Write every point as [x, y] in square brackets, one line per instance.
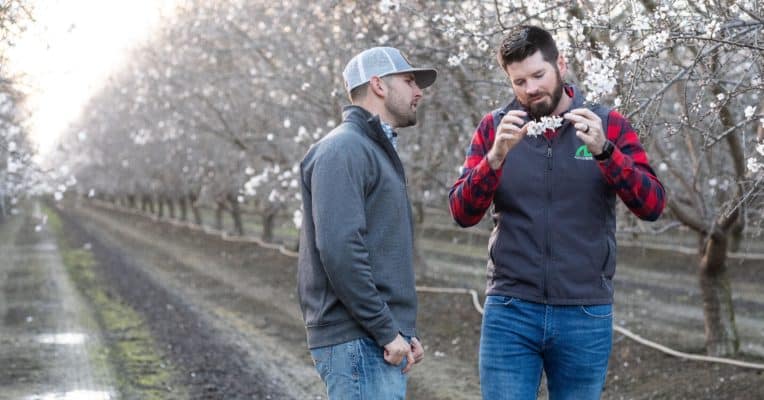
[562, 65]
[377, 86]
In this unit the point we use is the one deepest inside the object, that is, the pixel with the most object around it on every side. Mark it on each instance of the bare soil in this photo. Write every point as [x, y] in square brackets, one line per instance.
[228, 317]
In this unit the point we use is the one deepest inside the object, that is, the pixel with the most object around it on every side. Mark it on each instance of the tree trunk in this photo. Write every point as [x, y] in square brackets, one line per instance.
[736, 233]
[151, 204]
[160, 203]
[236, 215]
[131, 200]
[721, 333]
[183, 205]
[195, 210]
[269, 223]
[171, 208]
[420, 262]
[2, 207]
[219, 216]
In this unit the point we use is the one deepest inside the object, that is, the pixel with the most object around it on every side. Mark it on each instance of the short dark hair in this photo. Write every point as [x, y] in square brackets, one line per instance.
[523, 41]
[358, 93]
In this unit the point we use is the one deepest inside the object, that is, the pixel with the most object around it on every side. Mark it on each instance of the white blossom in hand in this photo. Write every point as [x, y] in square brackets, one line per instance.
[536, 128]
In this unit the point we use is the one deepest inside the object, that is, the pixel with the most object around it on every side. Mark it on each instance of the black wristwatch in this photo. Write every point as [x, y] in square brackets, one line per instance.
[607, 151]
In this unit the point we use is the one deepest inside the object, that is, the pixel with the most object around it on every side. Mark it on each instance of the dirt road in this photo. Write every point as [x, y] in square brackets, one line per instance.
[219, 320]
[50, 342]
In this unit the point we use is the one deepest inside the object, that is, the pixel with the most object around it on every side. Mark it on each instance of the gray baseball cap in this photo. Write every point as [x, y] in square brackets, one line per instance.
[380, 62]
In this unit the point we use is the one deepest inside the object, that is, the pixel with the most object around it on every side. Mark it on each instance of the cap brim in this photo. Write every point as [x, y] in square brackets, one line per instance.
[424, 76]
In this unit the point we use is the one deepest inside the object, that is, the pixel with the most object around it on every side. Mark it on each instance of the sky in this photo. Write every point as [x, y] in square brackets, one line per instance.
[69, 50]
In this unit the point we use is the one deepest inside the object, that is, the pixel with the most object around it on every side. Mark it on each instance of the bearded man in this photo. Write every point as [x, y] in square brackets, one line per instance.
[552, 251]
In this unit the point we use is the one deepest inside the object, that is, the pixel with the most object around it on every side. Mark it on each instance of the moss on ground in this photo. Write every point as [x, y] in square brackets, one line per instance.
[142, 369]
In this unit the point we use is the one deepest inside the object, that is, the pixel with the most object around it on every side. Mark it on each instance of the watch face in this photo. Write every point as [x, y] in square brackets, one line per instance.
[607, 151]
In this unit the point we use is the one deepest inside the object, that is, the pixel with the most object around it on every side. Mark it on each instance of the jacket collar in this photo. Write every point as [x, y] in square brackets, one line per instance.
[372, 127]
[371, 124]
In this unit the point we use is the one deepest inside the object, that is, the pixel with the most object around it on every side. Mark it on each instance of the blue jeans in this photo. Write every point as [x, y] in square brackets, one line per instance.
[357, 370]
[519, 339]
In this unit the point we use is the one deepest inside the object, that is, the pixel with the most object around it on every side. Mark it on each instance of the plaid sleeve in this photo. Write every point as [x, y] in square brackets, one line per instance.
[629, 172]
[472, 193]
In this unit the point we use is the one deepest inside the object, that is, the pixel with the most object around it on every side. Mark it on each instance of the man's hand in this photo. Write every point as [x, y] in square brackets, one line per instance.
[509, 133]
[398, 349]
[417, 351]
[588, 128]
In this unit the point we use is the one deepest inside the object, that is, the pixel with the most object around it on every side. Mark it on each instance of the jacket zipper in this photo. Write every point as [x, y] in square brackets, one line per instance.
[548, 259]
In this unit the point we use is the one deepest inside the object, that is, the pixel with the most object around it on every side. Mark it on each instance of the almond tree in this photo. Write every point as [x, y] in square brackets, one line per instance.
[17, 174]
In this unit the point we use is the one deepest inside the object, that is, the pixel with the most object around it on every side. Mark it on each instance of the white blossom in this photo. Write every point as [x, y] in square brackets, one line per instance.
[600, 76]
[749, 111]
[457, 59]
[297, 218]
[536, 128]
[275, 196]
[655, 41]
[389, 5]
[754, 165]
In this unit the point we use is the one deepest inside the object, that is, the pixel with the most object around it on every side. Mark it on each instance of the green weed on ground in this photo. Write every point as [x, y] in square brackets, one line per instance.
[141, 370]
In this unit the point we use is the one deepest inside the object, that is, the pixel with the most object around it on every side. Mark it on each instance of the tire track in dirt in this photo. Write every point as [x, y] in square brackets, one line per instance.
[214, 366]
[49, 341]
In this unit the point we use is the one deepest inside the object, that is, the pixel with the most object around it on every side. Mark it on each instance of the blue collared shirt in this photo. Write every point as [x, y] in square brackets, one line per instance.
[391, 134]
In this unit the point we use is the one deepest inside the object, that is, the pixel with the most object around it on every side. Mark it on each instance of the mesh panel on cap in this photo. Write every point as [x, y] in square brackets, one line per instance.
[376, 62]
[351, 73]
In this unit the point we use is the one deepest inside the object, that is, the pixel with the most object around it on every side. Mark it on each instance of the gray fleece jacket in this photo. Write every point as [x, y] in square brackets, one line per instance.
[355, 269]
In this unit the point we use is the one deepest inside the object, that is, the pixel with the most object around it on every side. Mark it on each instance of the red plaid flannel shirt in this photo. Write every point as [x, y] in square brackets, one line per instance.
[627, 171]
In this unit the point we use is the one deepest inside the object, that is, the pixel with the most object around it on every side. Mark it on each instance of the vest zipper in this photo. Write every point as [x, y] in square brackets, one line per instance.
[546, 215]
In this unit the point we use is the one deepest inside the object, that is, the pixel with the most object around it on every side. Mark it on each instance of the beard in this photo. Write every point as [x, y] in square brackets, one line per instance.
[402, 113]
[542, 108]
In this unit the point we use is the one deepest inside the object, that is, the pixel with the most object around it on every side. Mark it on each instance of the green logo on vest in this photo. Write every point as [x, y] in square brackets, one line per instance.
[583, 153]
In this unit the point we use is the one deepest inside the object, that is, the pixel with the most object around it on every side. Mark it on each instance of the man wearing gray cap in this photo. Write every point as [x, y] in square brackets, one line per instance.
[355, 269]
